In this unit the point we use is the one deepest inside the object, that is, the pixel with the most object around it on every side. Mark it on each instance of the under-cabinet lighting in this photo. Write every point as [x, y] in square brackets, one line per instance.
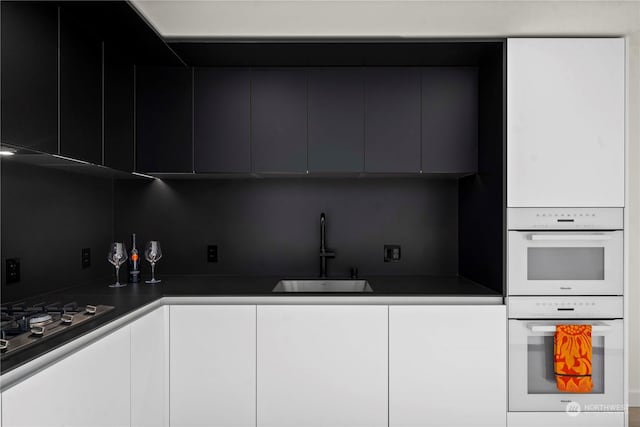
[7, 153]
[71, 159]
[143, 175]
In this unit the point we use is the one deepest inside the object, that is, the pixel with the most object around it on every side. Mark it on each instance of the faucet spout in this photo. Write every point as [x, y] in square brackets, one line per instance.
[324, 253]
[322, 232]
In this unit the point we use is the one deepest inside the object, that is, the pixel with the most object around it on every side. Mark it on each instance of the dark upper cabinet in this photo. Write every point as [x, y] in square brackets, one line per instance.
[119, 105]
[222, 99]
[164, 119]
[29, 45]
[392, 120]
[279, 120]
[450, 119]
[80, 90]
[336, 120]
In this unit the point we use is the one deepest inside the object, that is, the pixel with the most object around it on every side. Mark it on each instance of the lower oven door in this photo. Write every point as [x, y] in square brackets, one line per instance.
[532, 384]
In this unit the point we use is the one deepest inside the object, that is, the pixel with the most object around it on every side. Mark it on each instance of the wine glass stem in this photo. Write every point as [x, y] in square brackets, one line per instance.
[117, 274]
[153, 271]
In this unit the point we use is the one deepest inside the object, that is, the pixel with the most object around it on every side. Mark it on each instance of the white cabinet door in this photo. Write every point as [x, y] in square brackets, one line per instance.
[150, 369]
[213, 365]
[322, 366]
[565, 122]
[447, 366]
[89, 388]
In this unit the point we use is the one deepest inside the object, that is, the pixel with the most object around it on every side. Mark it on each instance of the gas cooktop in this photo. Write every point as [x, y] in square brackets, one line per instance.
[23, 325]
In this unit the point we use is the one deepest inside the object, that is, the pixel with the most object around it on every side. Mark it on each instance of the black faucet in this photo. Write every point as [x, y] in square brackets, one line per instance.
[324, 254]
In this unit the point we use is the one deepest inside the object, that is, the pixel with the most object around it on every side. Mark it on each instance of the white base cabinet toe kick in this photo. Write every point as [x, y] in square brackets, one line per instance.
[561, 419]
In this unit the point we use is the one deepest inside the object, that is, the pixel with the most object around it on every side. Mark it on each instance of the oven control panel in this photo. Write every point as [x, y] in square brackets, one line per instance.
[565, 218]
[565, 307]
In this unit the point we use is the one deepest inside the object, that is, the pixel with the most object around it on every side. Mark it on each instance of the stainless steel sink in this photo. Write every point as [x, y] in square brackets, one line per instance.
[320, 285]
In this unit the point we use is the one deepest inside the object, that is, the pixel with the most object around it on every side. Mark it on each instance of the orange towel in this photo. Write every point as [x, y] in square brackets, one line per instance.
[572, 361]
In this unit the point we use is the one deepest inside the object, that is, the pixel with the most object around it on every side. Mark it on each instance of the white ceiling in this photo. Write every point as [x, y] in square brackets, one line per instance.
[417, 18]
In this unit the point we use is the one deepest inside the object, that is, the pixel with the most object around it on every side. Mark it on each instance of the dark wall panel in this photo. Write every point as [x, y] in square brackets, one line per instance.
[271, 226]
[482, 196]
[48, 216]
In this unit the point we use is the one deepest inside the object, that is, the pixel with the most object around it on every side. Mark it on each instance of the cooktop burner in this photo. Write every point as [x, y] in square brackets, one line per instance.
[40, 319]
[22, 325]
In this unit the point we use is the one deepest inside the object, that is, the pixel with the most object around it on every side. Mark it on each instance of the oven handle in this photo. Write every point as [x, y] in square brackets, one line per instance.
[569, 237]
[552, 328]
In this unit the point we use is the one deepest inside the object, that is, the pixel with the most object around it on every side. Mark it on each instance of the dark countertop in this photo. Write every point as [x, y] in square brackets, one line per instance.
[130, 298]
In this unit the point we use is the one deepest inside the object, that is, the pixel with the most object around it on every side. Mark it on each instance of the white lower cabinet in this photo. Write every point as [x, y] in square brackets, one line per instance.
[150, 369]
[286, 366]
[561, 419]
[89, 388]
[322, 366]
[213, 365]
[447, 366]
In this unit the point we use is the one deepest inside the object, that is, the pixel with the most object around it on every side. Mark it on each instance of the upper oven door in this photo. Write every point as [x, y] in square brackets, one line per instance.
[565, 263]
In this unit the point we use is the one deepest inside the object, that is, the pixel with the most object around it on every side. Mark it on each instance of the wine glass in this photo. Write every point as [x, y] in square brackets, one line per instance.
[117, 256]
[153, 253]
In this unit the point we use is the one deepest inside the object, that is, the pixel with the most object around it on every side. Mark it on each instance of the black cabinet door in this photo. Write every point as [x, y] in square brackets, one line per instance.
[449, 119]
[29, 45]
[222, 120]
[80, 90]
[119, 105]
[279, 120]
[336, 120]
[164, 119]
[392, 120]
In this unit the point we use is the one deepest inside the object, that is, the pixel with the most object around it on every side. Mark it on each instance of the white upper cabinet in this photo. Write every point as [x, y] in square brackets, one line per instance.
[565, 122]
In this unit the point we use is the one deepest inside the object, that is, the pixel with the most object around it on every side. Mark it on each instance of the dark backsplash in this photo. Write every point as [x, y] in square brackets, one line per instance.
[48, 216]
[271, 226]
[264, 226]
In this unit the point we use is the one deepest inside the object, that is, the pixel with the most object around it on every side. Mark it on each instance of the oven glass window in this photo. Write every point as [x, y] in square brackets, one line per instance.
[565, 263]
[540, 375]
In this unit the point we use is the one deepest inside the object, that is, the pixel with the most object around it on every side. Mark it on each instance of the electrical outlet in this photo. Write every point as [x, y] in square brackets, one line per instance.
[13, 270]
[212, 253]
[86, 257]
[391, 253]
